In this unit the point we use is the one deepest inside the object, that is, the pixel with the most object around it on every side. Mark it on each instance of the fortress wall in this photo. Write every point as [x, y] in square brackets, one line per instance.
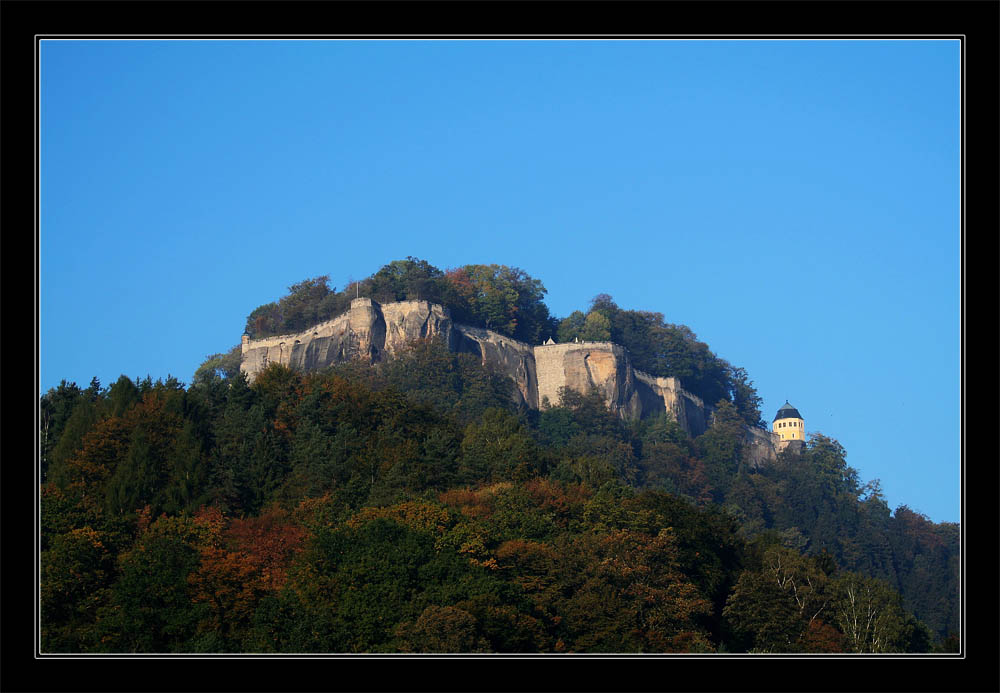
[696, 414]
[345, 336]
[761, 446]
[506, 355]
[550, 361]
[481, 334]
[406, 321]
[324, 329]
[373, 332]
[660, 394]
[793, 445]
[581, 366]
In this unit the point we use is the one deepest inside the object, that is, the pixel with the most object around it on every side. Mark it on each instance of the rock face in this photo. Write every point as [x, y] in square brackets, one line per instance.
[373, 332]
[506, 355]
[586, 365]
[666, 395]
[760, 446]
[367, 331]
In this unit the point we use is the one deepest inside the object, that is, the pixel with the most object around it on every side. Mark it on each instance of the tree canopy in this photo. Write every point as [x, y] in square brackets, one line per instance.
[410, 507]
[497, 297]
[666, 350]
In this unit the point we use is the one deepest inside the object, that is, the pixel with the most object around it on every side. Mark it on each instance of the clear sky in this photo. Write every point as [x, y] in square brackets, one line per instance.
[796, 203]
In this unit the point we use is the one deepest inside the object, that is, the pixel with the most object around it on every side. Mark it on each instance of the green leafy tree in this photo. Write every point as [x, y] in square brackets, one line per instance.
[596, 328]
[294, 312]
[55, 408]
[151, 609]
[613, 591]
[355, 589]
[710, 552]
[926, 559]
[411, 279]
[662, 349]
[76, 572]
[224, 366]
[870, 614]
[745, 398]
[85, 415]
[571, 326]
[762, 615]
[498, 448]
[451, 383]
[122, 396]
[500, 298]
[721, 448]
[187, 486]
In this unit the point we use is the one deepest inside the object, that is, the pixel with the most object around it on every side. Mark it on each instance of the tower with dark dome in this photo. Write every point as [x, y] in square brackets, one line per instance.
[788, 425]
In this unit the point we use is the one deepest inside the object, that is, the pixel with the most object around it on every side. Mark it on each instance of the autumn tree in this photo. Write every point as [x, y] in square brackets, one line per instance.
[501, 298]
[248, 563]
[441, 629]
[611, 592]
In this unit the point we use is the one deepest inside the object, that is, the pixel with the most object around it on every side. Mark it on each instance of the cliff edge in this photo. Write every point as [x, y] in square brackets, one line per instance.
[372, 332]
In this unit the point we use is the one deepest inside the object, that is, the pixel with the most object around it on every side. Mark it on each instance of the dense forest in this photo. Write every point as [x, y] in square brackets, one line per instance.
[412, 507]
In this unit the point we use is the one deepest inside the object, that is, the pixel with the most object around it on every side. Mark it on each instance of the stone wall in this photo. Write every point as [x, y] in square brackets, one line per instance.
[372, 332]
[367, 331]
[661, 395]
[505, 355]
[760, 446]
[581, 366]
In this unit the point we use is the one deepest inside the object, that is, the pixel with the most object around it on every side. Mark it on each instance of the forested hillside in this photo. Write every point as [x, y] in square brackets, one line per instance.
[410, 507]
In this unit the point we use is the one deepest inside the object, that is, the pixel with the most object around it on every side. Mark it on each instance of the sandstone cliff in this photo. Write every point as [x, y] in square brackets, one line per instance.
[373, 332]
[506, 355]
[367, 331]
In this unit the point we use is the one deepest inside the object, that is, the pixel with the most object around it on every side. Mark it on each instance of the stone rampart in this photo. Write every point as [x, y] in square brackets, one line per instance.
[659, 395]
[760, 446]
[584, 366]
[372, 332]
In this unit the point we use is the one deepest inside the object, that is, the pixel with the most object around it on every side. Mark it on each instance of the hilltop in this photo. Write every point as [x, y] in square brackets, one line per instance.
[412, 494]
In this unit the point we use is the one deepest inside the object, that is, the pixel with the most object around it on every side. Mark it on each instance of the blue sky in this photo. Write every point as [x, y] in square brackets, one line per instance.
[796, 203]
